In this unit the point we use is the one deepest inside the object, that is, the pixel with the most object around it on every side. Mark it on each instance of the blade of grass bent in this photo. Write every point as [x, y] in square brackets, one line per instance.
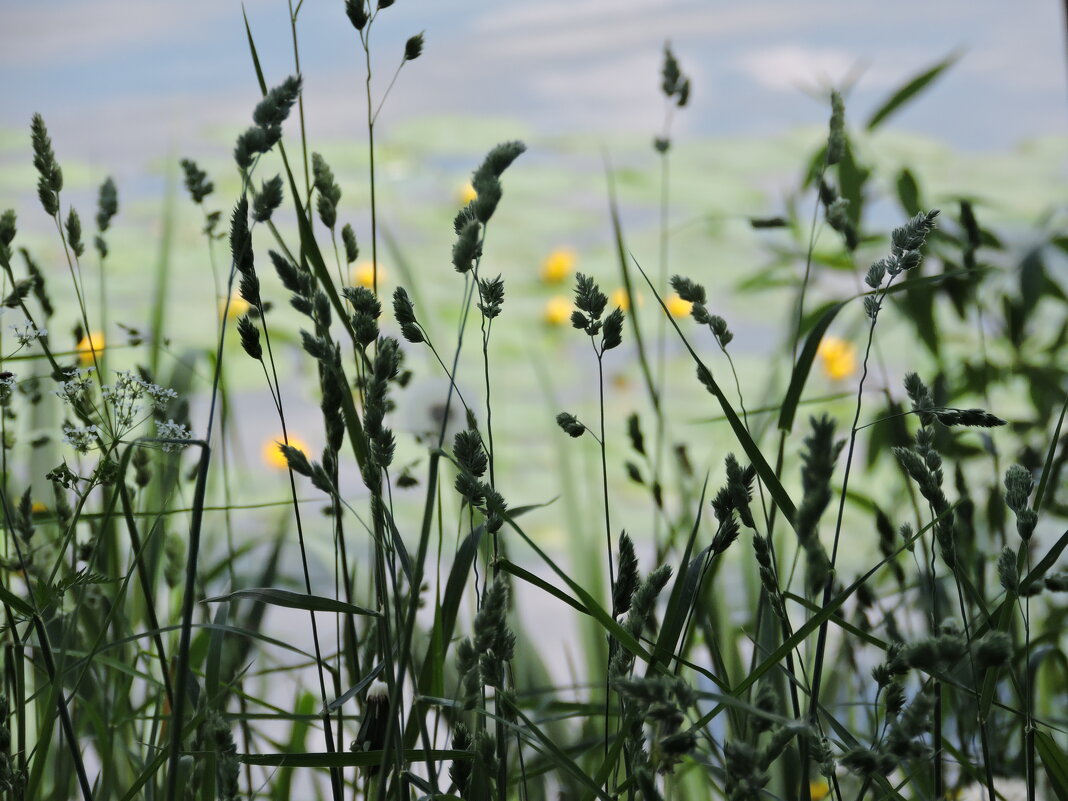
[1055, 762]
[764, 470]
[910, 90]
[804, 365]
[810, 625]
[824, 318]
[346, 759]
[592, 607]
[540, 583]
[683, 594]
[310, 250]
[628, 287]
[163, 271]
[1001, 617]
[294, 600]
[305, 705]
[1047, 468]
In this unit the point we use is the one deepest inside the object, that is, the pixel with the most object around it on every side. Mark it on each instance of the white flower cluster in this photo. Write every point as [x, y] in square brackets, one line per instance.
[7, 381]
[172, 430]
[127, 402]
[125, 395]
[28, 333]
[83, 438]
[76, 386]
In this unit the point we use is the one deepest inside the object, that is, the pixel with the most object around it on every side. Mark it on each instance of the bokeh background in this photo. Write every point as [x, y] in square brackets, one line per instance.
[138, 77]
[128, 87]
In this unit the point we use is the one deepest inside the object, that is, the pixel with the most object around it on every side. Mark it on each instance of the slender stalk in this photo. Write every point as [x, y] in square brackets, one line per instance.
[300, 99]
[365, 37]
[604, 473]
[50, 666]
[808, 263]
[821, 640]
[661, 322]
[335, 773]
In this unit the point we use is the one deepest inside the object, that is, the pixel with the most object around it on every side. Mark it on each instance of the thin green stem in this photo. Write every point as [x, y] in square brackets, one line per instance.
[365, 37]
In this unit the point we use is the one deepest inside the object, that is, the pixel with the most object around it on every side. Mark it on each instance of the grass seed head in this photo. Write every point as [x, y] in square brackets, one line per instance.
[267, 199]
[627, 577]
[836, 139]
[276, 104]
[74, 233]
[50, 180]
[196, 181]
[250, 337]
[241, 238]
[413, 48]
[491, 291]
[7, 230]
[348, 239]
[107, 205]
[356, 10]
[569, 423]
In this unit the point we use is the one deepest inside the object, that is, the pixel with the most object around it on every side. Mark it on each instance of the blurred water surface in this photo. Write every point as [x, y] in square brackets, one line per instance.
[125, 78]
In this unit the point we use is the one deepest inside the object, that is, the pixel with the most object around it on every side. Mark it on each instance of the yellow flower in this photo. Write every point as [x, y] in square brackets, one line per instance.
[273, 456]
[557, 310]
[90, 344]
[38, 508]
[677, 307]
[619, 298]
[818, 789]
[238, 306]
[466, 193]
[839, 357]
[558, 265]
[363, 274]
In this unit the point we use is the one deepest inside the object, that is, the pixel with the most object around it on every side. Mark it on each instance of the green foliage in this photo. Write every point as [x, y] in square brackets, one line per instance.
[887, 635]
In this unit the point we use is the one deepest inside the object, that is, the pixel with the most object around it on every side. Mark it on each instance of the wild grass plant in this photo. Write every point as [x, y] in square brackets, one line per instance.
[864, 604]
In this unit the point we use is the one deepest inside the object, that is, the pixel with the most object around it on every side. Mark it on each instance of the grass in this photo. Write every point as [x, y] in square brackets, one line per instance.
[772, 591]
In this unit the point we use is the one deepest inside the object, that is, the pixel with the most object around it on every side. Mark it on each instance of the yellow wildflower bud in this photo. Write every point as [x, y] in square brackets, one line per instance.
[238, 306]
[619, 298]
[677, 307]
[558, 265]
[273, 456]
[466, 194]
[557, 310]
[839, 357]
[363, 274]
[91, 347]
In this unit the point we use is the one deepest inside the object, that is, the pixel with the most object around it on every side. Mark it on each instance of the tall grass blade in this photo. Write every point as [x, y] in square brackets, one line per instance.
[294, 600]
[909, 90]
